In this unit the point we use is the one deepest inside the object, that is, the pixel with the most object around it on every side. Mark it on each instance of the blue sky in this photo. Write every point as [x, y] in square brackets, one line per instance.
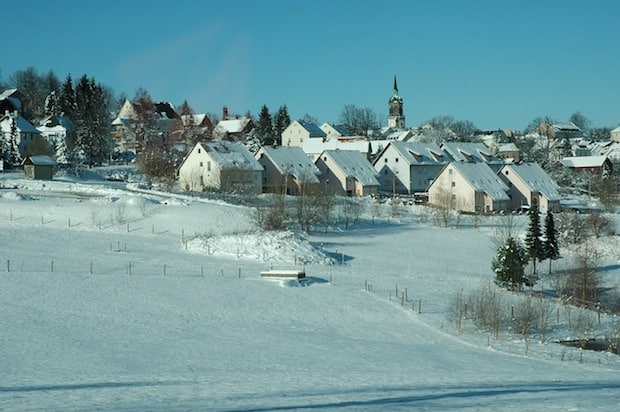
[497, 63]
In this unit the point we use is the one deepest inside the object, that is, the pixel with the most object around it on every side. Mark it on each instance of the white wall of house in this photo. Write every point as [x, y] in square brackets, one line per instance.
[199, 172]
[294, 135]
[452, 189]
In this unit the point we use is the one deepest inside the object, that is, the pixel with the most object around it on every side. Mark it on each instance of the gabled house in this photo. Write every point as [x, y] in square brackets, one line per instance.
[408, 167]
[335, 130]
[471, 153]
[593, 164]
[17, 133]
[58, 131]
[469, 187]
[221, 166]
[528, 181]
[287, 170]
[615, 134]
[347, 172]
[299, 132]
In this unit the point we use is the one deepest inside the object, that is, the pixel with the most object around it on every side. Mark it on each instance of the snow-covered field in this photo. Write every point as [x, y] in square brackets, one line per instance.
[117, 299]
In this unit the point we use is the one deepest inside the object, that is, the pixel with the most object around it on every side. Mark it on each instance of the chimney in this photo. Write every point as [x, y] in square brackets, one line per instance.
[225, 113]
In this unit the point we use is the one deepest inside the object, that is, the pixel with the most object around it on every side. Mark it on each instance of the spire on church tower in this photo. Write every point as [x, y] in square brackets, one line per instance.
[396, 119]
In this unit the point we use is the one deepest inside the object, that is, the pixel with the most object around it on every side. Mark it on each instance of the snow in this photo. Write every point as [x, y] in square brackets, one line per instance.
[115, 298]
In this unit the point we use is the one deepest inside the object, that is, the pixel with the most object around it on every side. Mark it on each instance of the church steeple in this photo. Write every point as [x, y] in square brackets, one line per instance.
[396, 119]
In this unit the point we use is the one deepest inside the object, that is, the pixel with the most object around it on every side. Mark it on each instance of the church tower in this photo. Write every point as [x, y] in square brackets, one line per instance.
[396, 119]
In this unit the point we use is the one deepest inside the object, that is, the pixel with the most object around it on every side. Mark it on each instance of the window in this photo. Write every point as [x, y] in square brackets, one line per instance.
[198, 150]
[396, 160]
[449, 171]
[453, 183]
[200, 163]
[209, 165]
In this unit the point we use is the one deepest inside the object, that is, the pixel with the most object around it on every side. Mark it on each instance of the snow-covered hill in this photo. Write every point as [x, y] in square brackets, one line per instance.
[117, 299]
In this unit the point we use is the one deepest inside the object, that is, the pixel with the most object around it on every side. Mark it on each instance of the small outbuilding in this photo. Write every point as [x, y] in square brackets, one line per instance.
[283, 273]
[39, 167]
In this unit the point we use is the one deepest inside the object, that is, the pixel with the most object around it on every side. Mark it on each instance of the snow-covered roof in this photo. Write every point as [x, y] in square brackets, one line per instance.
[231, 155]
[583, 161]
[40, 160]
[232, 125]
[507, 147]
[354, 165]
[420, 153]
[482, 178]
[292, 161]
[535, 178]
[469, 152]
[569, 126]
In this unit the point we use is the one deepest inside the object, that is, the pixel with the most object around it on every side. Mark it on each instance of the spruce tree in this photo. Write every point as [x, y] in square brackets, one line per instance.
[264, 128]
[508, 265]
[551, 248]
[533, 242]
[280, 122]
[66, 100]
[92, 144]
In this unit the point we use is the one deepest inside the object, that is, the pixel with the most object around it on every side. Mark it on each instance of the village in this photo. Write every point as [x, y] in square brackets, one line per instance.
[486, 173]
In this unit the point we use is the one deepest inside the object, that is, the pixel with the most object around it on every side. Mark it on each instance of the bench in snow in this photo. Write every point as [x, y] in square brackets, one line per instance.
[283, 273]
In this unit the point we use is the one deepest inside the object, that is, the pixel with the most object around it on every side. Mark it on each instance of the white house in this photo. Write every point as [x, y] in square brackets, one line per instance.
[347, 172]
[469, 187]
[286, 169]
[409, 167]
[615, 134]
[298, 132]
[527, 181]
[221, 166]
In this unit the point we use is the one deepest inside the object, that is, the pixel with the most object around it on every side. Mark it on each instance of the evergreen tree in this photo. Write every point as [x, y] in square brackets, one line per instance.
[551, 248]
[66, 100]
[508, 265]
[92, 143]
[264, 128]
[280, 122]
[533, 242]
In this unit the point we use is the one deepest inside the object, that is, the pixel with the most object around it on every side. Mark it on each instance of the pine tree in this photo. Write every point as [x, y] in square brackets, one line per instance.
[508, 265]
[533, 242]
[280, 122]
[551, 248]
[264, 128]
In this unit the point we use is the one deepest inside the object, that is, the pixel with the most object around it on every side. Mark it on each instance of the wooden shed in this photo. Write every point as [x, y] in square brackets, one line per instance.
[39, 167]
